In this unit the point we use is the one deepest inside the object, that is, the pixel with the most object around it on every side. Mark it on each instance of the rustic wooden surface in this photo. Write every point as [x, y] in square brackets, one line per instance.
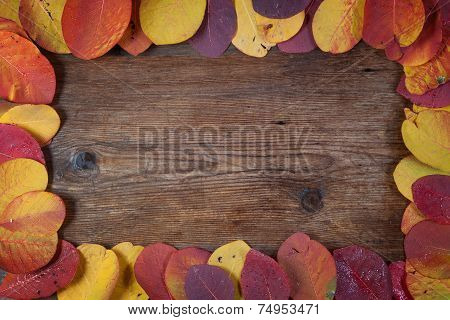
[344, 110]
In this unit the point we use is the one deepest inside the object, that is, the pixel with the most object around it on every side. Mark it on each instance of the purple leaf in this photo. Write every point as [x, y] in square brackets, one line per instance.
[361, 275]
[436, 98]
[279, 9]
[205, 282]
[217, 30]
[303, 41]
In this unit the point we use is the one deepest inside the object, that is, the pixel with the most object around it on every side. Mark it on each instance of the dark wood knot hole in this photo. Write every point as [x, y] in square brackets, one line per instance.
[84, 160]
[311, 200]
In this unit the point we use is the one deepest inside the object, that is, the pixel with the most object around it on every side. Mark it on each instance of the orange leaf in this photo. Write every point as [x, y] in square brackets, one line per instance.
[134, 41]
[92, 28]
[26, 76]
[28, 231]
[411, 217]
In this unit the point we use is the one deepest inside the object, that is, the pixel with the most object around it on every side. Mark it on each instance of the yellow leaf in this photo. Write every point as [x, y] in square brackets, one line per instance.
[41, 121]
[97, 275]
[9, 9]
[430, 75]
[279, 30]
[127, 287]
[249, 39]
[171, 21]
[19, 176]
[418, 109]
[231, 258]
[338, 25]
[408, 171]
[427, 136]
[42, 21]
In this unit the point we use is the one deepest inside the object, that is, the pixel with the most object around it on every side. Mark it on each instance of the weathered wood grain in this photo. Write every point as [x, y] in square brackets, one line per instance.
[344, 117]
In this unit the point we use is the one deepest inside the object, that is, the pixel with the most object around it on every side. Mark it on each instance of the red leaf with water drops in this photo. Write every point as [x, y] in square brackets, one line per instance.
[17, 143]
[398, 274]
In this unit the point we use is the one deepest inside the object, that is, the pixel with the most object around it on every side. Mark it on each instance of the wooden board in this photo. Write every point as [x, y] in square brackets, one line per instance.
[173, 147]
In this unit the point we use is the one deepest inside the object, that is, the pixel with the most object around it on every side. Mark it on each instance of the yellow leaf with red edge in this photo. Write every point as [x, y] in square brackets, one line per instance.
[26, 76]
[28, 231]
[408, 171]
[96, 277]
[279, 30]
[42, 20]
[41, 121]
[231, 258]
[411, 217]
[11, 26]
[134, 41]
[127, 287]
[430, 75]
[19, 176]
[171, 21]
[338, 25]
[424, 288]
[9, 9]
[427, 136]
[249, 38]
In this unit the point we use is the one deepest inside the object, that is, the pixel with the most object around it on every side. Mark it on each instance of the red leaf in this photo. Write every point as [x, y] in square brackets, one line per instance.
[92, 28]
[150, 267]
[44, 282]
[398, 274]
[205, 282]
[17, 143]
[436, 98]
[427, 248]
[263, 279]
[26, 76]
[432, 197]
[361, 275]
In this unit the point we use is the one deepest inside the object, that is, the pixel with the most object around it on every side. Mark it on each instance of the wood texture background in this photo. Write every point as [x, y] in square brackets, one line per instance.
[344, 109]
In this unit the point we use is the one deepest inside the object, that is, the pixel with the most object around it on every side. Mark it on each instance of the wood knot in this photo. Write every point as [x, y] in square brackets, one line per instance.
[83, 160]
[311, 200]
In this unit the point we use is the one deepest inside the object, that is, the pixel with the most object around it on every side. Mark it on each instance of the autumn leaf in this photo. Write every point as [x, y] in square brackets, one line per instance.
[150, 268]
[430, 75]
[424, 288]
[435, 98]
[408, 171]
[337, 25]
[19, 176]
[205, 282]
[41, 121]
[309, 266]
[398, 274]
[427, 136]
[28, 231]
[134, 41]
[11, 26]
[217, 30]
[96, 277]
[127, 287]
[399, 21]
[279, 30]
[171, 21]
[42, 20]
[303, 41]
[17, 143]
[178, 266]
[249, 39]
[26, 76]
[280, 9]
[262, 278]
[361, 275]
[411, 217]
[432, 196]
[427, 248]
[231, 257]
[92, 28]
[429, 41]
[9, 9]
[44, 282]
